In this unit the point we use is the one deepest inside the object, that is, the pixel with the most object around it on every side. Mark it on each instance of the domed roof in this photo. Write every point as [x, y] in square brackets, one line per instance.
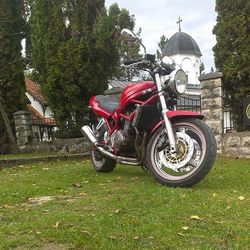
[181, 43]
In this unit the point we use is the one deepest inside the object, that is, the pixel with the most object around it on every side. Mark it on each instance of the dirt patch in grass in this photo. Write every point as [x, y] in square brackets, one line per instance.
[52, 246]
[47, 246]
[44, 199]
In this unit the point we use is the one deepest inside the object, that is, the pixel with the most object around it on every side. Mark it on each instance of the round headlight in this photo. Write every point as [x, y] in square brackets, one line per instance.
[178, 82]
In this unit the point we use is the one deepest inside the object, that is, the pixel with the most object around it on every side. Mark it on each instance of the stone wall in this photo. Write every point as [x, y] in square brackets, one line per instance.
[61, 146]
[27, 144]
[236, 144]
[212, 105]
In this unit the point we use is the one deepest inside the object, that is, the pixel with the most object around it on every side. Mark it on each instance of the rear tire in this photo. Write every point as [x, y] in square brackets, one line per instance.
[192, 163]
[101, 163]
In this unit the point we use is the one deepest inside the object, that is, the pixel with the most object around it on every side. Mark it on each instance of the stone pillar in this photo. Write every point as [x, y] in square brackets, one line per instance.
[23, 128]
[211, 104]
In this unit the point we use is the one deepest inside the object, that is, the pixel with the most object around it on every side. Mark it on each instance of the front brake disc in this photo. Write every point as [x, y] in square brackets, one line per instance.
[185, 150]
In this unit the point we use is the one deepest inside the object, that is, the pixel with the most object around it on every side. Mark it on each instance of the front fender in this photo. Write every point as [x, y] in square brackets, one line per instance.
[178, 114]
[184, 113]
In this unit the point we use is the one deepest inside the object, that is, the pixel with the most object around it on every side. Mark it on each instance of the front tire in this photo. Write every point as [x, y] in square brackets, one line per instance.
[101, 163]
[195, 157]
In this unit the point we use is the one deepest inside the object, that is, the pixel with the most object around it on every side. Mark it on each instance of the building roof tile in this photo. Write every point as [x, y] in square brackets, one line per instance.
[34, 90]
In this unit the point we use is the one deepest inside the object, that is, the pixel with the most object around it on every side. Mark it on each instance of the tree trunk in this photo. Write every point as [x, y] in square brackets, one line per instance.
[7, 125]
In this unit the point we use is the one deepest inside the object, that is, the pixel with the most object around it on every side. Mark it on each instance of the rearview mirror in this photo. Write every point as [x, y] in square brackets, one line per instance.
[128, 37]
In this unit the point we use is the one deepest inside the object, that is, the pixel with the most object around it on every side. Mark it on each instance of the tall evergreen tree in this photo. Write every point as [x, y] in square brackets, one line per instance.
[161, 45]
[12, 87]
[74, 53]
[232, 51]
[202, 69]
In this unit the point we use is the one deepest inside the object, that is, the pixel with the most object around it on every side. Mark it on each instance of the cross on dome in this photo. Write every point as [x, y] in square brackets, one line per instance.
[179, 22]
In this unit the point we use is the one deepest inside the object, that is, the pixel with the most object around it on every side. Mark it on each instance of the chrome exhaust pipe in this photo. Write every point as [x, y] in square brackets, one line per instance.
[88, 133]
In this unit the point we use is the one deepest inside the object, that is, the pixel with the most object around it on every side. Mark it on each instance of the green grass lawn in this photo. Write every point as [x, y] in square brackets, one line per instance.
[67, 205]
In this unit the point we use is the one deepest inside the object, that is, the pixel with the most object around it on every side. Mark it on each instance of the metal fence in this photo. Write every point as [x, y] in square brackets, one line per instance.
[189, 102]
[233, 116]
[43, 129]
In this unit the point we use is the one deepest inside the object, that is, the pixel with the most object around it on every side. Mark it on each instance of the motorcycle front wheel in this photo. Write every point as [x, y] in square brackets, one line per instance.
[195, 155]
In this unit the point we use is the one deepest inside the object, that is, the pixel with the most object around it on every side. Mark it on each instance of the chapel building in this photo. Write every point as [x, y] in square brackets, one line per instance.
[185, 52]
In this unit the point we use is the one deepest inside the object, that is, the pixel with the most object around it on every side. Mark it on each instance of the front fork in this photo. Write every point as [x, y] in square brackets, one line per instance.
[167, 122]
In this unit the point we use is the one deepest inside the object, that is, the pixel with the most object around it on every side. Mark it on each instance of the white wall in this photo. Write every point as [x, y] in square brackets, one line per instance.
[38, 107]
[190, 64]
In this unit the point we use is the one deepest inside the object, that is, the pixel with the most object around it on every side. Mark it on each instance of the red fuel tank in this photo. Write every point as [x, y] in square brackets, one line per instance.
[134, 90]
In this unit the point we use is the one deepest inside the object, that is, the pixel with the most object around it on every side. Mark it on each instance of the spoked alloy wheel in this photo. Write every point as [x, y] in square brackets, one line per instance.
[196, 151]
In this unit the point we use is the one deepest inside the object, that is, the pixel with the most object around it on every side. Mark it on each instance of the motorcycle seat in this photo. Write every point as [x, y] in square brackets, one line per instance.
[107, 103]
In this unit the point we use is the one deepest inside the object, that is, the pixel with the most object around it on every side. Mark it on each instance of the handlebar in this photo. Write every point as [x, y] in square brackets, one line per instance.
[137, 61]
[149, 62]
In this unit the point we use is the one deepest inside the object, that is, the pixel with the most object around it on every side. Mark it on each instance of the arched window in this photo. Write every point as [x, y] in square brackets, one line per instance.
[187, 76]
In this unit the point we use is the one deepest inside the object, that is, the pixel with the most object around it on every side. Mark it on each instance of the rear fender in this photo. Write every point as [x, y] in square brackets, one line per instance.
[177, 114]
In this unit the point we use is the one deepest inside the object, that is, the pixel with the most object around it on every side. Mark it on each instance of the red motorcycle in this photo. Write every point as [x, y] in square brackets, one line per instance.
[144, 128]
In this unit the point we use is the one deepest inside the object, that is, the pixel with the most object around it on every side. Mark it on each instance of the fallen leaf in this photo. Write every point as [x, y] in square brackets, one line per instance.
[112, 237]
[197, 218]
[38, 232]
[87, 232]
[238, 238]
[241, 198]
[45, 169]
[136, 237]
[185, 228]
[117, 211]
[181, 234]
[57, 224]
[82, 194]
[77, 185]
[219, 222]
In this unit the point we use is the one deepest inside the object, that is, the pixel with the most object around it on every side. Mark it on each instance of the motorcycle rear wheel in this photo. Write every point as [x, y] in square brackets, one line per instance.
[195, 157]
[102, 163]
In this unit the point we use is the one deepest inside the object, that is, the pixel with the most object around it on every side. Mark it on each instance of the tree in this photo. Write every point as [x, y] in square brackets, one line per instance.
[74, 53]
[12, 87]
[232, 51]
[121, 18]
[161, 45]
[202, 68]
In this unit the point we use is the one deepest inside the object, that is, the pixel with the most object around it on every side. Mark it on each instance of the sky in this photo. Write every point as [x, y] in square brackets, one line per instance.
[159, 17]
